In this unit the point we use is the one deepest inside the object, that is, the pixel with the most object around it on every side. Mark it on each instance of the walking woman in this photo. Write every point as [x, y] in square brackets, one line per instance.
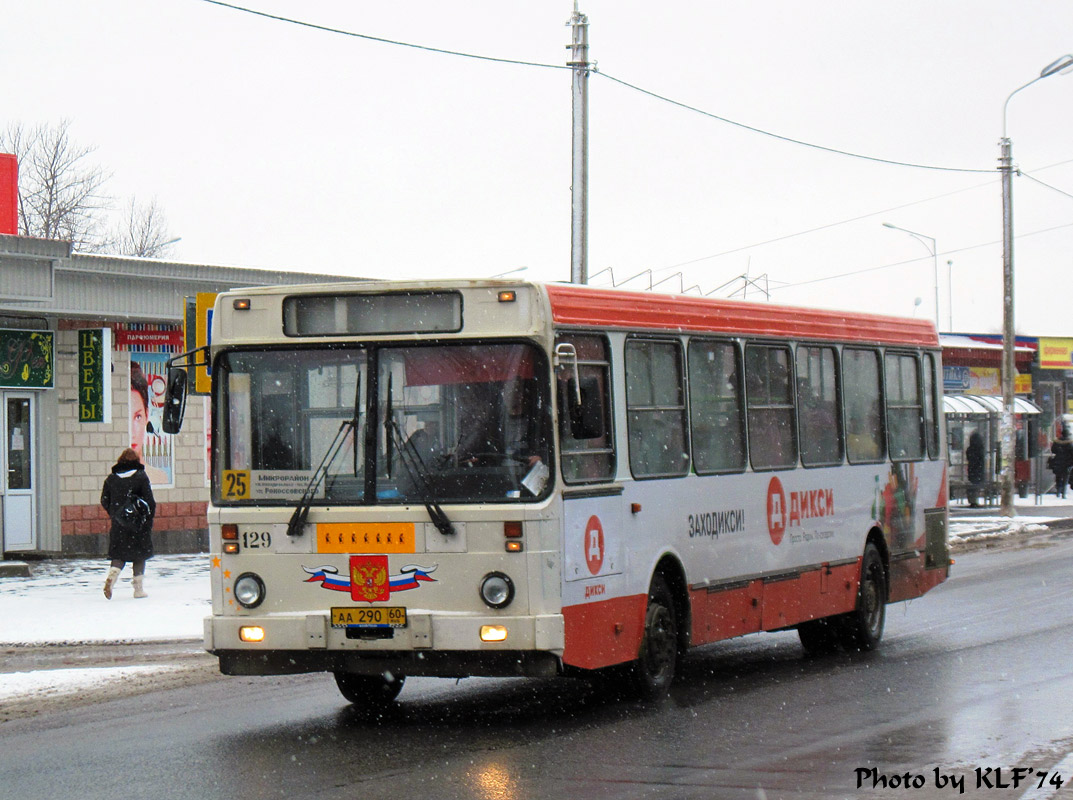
[128, 499]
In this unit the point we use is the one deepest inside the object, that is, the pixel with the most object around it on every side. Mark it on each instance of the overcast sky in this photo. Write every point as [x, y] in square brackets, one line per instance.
[272, 145]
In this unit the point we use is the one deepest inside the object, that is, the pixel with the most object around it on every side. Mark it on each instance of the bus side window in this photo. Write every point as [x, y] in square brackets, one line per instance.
[905, 413]
[715, 404]
[931, 405]
[585, 432]
[655, 408]
[818, 406]
[864, 420]
[769, 393]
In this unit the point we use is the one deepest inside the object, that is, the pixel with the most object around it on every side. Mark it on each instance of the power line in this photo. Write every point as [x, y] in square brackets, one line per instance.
[785, 138]
[654, 95]
[915, 260]
[828, 225]
[352, 34]
[1041, 183]
[861, 217]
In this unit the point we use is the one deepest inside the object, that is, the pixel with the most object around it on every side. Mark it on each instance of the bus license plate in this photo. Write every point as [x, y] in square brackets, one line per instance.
[382, 617]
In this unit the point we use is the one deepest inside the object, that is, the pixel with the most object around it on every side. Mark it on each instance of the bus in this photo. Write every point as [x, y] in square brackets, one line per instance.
[502, 478]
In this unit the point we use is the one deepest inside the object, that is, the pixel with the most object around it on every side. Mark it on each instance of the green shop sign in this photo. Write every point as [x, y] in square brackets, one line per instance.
[95, 375]
[26, 359]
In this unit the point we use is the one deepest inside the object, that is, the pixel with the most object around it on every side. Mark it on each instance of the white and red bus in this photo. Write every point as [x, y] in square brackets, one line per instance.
[501, 478]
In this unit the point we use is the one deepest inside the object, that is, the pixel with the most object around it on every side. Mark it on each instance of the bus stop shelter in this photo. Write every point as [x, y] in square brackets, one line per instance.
[966, 413]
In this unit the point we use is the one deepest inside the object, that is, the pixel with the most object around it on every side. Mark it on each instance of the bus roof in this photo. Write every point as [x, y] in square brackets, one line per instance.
[577, 305]
[586, 306]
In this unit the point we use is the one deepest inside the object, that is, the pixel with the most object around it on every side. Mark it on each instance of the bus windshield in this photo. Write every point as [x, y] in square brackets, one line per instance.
[454, 423]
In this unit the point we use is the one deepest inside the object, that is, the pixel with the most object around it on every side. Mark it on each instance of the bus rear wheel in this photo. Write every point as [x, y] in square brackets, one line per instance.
[370, 692]
[862, 628]
[653, 671]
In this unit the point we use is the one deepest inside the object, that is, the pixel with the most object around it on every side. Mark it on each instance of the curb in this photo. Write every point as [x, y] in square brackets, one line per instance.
[14, 569]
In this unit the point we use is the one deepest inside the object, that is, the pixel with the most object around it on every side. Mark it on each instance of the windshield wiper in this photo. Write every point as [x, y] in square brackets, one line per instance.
[415, 467]
[296, 526]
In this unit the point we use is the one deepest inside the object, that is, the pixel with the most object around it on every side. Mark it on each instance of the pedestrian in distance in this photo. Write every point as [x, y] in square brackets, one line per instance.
[127, 497]
[1061, 461]
[974, 467]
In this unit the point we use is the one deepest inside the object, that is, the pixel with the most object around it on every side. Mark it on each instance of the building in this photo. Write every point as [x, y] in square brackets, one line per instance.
[55, 308]
[973, 403]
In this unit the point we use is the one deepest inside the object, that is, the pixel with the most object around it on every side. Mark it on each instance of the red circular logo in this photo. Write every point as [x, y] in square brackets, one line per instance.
[594, 544]
[776, 510]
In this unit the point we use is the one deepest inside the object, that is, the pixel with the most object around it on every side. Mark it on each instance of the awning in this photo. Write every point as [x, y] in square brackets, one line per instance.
[985, 404]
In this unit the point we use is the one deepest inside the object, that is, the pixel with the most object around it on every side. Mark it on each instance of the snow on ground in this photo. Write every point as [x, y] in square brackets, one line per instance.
[982, 529]
[49, 683]
[983, 524]
[63, 602]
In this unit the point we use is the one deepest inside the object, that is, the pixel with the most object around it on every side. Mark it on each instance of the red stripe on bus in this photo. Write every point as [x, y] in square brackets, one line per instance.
[606, 308]
[604, 633]
[770, 605]
[609, 632]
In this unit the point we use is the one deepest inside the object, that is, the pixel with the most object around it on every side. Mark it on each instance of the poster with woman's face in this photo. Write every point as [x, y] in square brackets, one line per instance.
[154, 447]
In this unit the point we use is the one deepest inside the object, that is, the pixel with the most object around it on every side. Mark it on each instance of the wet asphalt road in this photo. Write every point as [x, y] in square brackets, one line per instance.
[975, 675]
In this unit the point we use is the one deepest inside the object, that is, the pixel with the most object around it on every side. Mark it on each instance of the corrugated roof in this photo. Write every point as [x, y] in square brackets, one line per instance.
[44, 278]
[985, 404]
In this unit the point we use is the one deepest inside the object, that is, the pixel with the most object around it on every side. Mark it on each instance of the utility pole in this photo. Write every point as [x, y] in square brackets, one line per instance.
[1009, 369]
[579, 187]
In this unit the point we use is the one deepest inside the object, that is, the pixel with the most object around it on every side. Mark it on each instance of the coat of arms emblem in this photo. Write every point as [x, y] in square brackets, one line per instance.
[369, 579]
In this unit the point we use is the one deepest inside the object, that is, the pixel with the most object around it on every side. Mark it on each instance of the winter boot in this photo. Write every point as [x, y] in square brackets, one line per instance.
[109, 582]
[139, 589]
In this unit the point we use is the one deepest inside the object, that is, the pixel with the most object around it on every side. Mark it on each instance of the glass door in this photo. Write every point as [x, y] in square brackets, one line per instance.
[18, 464]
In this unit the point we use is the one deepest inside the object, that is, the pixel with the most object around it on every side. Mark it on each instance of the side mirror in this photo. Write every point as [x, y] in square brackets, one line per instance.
[586, 415]
[174, 400]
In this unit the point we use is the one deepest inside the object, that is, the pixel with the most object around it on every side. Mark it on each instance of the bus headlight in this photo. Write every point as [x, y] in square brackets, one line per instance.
[497, 590]
[249, 590]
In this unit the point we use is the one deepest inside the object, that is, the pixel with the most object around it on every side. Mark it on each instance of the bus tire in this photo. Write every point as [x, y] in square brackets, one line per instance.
[653, 671]
[862, 628]
[370, 692]
[819, 637]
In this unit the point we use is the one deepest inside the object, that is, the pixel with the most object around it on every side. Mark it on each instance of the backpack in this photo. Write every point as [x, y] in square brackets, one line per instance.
[132, 516]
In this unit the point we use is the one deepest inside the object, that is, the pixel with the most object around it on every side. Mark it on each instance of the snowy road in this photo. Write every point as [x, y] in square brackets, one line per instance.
[974, 676]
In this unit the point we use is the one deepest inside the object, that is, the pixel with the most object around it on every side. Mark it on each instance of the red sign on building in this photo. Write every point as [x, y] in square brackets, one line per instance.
[9, 194]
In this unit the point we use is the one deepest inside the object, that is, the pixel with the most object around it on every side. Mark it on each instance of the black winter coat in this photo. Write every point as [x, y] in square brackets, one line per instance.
[975, 458]
[128, 479]
[1062, 459]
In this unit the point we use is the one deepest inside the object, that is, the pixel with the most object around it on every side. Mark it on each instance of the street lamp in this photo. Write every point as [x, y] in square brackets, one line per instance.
[932, 248]
[1062, 65]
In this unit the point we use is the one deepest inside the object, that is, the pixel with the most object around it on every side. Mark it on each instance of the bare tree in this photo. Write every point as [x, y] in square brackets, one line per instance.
[61, 196]
[143, 231]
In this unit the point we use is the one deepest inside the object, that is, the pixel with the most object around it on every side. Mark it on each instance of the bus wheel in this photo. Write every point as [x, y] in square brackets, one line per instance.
[370, 692]
[862, 628]
[819, 637]
[653, 671]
